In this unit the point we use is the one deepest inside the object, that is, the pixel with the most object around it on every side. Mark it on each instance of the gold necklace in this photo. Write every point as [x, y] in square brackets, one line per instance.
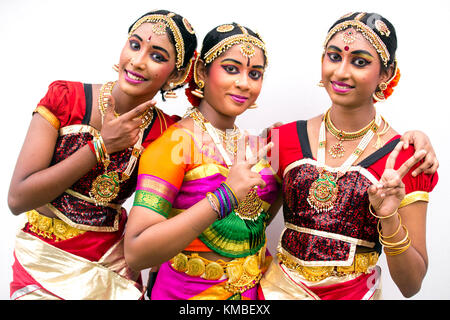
[230, 138]
[323, 192]
[106, 186]
[105, 91]
[337, 150]
[251, 207]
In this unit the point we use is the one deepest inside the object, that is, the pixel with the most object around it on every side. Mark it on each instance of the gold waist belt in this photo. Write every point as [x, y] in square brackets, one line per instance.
[361, 264]
[51, 228]
[242, 273]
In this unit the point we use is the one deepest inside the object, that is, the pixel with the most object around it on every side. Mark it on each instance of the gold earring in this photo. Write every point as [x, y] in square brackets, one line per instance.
[170, 94]
[320, 84]
[378, 95]
[116, 67]
[199, 92]
[382, 86]
[253, 106]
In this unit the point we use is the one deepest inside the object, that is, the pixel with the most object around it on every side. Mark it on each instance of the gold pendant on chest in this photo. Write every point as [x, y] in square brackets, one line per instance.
[323, 192]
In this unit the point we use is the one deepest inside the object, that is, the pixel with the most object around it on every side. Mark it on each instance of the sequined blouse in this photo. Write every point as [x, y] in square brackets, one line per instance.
[330, 238]
[69, 104]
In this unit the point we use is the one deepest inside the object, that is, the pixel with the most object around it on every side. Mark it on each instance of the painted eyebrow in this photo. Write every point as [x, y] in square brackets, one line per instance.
[154, 47]
[135, 35]
[334, 48]
[362, 52]
[239, 63]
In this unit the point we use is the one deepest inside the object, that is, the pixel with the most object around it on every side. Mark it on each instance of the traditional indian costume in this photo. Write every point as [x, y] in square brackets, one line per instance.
[177, 171]
[330, 244]
[79, 253]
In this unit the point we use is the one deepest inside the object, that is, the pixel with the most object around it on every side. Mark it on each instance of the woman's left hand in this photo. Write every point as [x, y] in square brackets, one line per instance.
[421, 142]
[386, 195]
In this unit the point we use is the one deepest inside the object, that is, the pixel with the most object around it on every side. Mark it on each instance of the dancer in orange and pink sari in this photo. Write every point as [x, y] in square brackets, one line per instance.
[200, 210]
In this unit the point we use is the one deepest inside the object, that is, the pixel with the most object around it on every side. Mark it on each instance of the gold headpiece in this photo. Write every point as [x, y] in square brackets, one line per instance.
[161, 23]
[367, 33]
[246, 40]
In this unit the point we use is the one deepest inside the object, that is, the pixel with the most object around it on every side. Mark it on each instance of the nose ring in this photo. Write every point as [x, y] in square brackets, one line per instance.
[236, 82]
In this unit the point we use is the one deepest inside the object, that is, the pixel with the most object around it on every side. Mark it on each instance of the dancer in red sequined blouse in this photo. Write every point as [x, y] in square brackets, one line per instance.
[349, 186]
[76, 167]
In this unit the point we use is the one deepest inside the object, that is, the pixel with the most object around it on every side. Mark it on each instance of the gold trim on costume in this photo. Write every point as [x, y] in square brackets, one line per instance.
[205, 170]
[363, 262]
[366, 173]
[69, 276]
[78, 128]
[414, 197]
[61, 216]
[78, 195]
[49, 116]
[51, 227]
[277, 285]
[242, 273]
[330, 235]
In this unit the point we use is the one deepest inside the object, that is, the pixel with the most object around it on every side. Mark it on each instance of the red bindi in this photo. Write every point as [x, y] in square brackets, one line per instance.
[346, 48]
[149, 38]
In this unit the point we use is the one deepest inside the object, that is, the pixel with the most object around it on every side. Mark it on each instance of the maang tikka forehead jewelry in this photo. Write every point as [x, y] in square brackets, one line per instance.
[247, 45]
[161, 22]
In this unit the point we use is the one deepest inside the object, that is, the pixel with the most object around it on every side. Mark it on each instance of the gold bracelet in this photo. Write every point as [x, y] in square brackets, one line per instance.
[393, 235]
[381, 217]
[397, 251]
[394, 244]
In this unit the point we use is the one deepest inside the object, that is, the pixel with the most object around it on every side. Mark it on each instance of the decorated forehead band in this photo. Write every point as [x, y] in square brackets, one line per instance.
[247, 42]
[161, 22]
[367, 32]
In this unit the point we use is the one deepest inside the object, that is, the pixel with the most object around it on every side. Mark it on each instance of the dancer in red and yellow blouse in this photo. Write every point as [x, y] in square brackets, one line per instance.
[348, 183]
[76, 168]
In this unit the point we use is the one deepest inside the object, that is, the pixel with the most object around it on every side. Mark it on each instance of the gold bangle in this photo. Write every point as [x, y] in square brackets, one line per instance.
[394, 244]
[381, 217]
[391, 236]
[397, 251]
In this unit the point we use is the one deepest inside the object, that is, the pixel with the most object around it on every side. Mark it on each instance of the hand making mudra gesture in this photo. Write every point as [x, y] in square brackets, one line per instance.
[401, 228]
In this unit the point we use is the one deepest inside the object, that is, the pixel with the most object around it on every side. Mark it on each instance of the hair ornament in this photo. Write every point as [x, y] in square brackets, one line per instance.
[382, 28]
[188, 26]
[159, 28]
[162, 22]
[360, 16]
[367, 33]
[349, 36]
[346, 15]
[225, 28]
[247, 42]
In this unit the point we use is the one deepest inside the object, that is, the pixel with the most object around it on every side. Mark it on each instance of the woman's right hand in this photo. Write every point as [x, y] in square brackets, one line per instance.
[119, 133]
[241, 178]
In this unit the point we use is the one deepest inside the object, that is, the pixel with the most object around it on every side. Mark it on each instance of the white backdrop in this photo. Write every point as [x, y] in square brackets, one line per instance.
[80, 40]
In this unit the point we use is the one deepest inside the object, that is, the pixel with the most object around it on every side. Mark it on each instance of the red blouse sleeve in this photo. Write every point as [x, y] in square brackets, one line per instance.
[416, 188]
[65, 101]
